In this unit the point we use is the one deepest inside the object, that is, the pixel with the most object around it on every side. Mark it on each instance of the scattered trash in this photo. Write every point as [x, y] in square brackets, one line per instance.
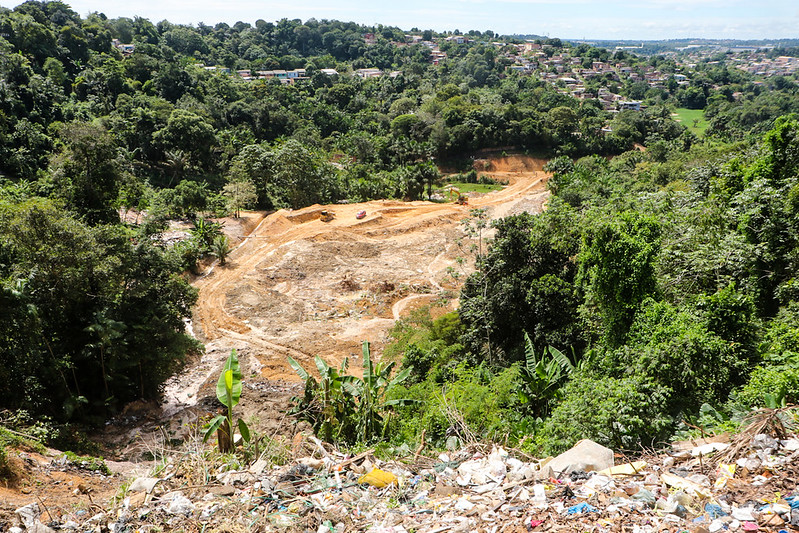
[470, 489]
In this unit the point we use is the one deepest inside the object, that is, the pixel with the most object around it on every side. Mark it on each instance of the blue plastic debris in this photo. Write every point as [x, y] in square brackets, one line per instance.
[581, 508]
[714, 511]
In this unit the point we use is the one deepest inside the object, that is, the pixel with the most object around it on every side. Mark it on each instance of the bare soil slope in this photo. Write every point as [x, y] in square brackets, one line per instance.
[302, 287]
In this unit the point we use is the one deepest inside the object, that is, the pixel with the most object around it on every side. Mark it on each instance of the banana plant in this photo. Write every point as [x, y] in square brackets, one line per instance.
[371, 392]
[228, 391]
[542, 376]
[327, 405]
[346, 408]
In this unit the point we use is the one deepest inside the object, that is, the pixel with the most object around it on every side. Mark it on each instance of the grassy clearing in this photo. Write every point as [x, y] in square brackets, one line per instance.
[692, 119]
[464, 187]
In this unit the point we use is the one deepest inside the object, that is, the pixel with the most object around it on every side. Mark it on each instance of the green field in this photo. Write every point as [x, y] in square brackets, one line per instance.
[687, 116]
[464, 187]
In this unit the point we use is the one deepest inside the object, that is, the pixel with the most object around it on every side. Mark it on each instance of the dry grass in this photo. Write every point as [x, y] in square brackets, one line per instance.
[779, 423]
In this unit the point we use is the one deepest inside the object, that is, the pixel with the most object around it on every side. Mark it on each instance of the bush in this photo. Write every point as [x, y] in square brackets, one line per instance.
[477, 401]
[621, 413]
[676, 349]
[780, 380]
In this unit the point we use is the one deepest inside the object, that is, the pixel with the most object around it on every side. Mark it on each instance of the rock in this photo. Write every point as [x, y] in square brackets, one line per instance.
[258, 467]
[223, 490]
[586, 455]
[143, 484]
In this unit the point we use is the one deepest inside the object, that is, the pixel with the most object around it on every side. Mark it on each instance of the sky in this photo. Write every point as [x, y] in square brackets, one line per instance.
[566, 19]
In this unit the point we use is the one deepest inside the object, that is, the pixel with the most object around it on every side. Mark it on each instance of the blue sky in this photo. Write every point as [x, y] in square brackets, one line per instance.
[570, 19]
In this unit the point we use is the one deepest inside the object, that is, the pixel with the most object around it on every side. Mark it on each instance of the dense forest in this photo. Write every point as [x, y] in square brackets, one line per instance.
[656, 288]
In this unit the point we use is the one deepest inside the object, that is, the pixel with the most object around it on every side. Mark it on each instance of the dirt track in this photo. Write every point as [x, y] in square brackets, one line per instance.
[302, 287]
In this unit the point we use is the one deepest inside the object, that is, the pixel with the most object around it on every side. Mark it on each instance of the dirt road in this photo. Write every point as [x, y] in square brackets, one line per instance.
[299, 286]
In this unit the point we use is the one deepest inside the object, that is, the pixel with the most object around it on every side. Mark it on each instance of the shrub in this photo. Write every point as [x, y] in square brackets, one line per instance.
[475, 402]
[675, 349]
[782, 381]
[621, 413]
[345, 408]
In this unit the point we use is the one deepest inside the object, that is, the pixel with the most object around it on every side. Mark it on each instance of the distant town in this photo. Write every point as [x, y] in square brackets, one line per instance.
[585, 70]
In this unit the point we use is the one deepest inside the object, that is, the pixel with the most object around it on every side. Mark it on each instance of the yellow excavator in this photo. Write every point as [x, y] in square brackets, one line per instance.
[326, 216]
[460, 199]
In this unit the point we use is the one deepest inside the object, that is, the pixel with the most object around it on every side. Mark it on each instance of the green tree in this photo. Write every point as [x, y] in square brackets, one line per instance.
[528, 272]
[86, 173]
[240, 194]
[190, 134]
[103, 315]
[617, 268]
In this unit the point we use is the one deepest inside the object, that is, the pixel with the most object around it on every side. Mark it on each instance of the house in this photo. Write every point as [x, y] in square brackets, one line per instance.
[458, 39]
[369, 73]
[329, 71]
[126, 49]
[369, 38]
[631, 105]
[221, 70]
[436, 56]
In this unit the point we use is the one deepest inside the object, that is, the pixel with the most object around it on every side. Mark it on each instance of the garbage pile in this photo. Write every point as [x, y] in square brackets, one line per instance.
[701, 486]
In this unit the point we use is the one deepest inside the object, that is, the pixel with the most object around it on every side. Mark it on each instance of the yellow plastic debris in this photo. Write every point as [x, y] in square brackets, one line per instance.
[628, 469]
[379, 478]
[726, 472]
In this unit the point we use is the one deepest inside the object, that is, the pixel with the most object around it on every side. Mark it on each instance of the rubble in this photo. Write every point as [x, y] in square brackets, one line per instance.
[472, 489]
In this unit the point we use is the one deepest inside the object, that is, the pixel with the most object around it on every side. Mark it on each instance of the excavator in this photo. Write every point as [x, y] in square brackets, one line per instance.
[327, 216]
[461, 199]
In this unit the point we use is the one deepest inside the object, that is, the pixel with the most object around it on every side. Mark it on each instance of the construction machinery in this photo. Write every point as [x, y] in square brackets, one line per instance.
[326, 216]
